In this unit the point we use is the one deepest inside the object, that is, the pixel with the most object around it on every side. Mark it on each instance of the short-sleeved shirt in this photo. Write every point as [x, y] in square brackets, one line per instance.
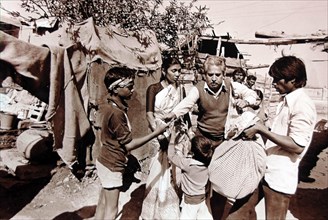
[115, 133]
[296, 118]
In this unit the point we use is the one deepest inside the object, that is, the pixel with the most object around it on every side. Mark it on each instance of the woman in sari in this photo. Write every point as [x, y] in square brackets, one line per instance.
[161, 200]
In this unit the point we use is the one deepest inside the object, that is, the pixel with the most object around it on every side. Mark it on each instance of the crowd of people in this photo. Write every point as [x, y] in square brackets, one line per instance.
[190, 165]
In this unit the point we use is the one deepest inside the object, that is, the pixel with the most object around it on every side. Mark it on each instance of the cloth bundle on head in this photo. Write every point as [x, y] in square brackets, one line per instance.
[238, 165]
[120, 83]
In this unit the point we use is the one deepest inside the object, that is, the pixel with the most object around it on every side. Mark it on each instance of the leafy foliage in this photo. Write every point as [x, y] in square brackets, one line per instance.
[168, 22]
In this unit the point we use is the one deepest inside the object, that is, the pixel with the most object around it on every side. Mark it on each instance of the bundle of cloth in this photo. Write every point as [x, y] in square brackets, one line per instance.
[238, 164]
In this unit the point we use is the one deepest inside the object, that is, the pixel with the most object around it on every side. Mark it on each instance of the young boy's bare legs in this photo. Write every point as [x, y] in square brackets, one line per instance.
[107, 207]
[101, 205]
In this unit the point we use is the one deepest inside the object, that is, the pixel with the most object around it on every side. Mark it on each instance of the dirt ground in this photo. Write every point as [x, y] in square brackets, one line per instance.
[63, 196]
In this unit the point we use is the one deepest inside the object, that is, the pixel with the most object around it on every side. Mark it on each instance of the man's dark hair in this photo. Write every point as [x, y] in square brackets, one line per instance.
[239, 70]
[251, 77]
[289, 68]
[259, 93]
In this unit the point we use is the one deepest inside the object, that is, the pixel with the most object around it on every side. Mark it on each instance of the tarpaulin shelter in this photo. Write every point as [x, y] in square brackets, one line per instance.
[59, 69]
[10, 25]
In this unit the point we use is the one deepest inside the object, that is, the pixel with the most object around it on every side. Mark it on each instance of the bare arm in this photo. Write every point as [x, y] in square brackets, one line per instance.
[178, 160]
[151, 120]
[138, 142]
[184, 106]
[152, 124]
[286, 142]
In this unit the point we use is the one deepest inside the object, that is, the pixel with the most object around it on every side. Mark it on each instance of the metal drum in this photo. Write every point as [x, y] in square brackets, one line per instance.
[35, 144]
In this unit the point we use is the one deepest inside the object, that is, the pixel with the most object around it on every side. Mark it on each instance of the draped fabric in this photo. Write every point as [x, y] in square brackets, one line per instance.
[166, 100]
[161, 200]
[55, 69]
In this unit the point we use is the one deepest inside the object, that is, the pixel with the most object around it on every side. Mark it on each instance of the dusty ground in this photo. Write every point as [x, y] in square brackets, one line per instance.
[62, 196]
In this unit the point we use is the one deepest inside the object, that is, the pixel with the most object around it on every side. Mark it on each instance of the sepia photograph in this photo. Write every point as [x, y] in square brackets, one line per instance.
[163, 109]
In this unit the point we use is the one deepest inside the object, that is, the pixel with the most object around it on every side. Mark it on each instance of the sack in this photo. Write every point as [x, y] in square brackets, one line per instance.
[237, 167]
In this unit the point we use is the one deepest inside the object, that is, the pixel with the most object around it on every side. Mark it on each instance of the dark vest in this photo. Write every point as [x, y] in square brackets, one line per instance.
[213, 112]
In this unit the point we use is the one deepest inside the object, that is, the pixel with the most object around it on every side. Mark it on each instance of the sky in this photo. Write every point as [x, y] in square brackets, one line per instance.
[241, 19]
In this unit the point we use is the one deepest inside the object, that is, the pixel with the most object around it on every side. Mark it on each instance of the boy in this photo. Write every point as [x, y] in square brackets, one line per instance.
[288, 139]
[194, 175]
[116, 139]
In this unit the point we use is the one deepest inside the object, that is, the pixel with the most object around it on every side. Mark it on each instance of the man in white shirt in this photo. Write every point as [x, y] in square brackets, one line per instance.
[288, 140]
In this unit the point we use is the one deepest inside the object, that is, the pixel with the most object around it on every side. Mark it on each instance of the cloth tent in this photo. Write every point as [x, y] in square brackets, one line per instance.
[56, 68]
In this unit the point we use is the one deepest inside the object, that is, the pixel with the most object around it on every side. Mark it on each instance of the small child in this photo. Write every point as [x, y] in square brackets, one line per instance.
[116, 140]
[194, 176]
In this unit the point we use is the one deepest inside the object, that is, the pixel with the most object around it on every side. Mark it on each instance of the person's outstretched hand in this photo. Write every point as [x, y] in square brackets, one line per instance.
[169, 117]
[250, 132]
[241, 103]
[161, 126]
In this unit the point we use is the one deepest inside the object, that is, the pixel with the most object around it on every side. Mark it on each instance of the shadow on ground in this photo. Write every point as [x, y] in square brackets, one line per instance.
[310, 204]
[83, 213]
[318, 144]
[132, 209]
[19, 195]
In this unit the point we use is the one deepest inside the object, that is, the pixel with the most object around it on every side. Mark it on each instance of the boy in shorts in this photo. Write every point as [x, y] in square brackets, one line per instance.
[116, 139]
